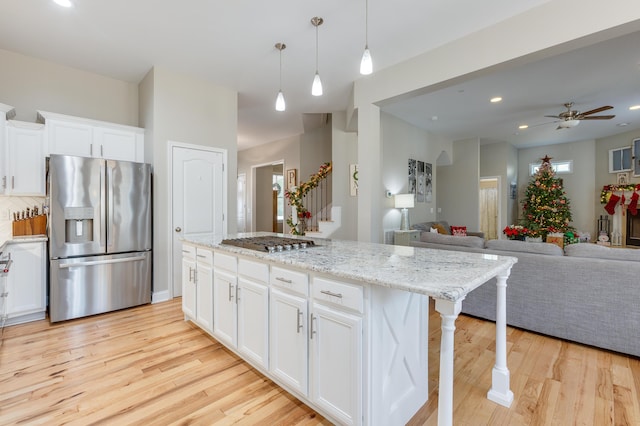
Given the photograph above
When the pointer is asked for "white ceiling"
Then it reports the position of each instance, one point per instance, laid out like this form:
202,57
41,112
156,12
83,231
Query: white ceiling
232,44
607,73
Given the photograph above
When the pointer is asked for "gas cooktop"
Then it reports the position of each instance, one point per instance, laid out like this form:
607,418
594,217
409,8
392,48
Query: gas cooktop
269,244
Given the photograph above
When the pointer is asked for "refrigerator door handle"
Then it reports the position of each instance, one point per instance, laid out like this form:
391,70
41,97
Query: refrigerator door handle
109,204
102,262
103,214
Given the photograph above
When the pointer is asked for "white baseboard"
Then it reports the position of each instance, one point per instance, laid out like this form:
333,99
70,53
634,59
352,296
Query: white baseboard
160,296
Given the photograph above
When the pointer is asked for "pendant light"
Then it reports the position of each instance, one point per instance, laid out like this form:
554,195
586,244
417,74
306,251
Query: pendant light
280,104
316,88
366,64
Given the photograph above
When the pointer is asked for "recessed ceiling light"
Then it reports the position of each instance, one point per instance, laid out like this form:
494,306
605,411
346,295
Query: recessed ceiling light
523,126
496,99
63,3
634,107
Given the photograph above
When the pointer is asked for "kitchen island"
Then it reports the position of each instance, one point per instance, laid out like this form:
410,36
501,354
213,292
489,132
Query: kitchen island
359,314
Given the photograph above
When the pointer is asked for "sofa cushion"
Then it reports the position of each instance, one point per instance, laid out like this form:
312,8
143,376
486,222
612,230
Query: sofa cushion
452,240
459,231
602,252
524,247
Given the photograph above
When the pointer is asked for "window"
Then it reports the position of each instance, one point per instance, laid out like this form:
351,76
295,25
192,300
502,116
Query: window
560,167
620,159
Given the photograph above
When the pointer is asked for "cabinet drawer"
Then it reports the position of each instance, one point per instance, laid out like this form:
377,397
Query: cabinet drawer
256,270
224,261
297,282
188,251
204,255
345,295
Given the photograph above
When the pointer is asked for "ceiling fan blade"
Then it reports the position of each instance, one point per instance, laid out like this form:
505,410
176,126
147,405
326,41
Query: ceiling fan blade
553,116
597,117
593,111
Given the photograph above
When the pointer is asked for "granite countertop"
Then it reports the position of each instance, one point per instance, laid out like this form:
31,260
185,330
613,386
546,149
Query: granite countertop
441,274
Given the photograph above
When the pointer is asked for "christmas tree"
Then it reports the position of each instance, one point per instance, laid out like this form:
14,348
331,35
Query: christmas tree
546,207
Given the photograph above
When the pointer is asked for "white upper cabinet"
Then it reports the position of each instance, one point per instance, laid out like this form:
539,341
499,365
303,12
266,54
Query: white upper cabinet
6,113
69,135
25,159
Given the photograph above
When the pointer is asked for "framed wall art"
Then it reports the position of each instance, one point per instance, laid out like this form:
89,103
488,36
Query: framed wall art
291,178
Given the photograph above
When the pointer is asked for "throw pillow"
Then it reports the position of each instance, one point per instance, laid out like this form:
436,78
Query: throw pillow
433,230
459,231
440,228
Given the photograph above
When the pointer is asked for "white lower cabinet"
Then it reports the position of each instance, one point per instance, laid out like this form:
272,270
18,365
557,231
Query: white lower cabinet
356,352
288,338
197,285
336,362
241,307
26,283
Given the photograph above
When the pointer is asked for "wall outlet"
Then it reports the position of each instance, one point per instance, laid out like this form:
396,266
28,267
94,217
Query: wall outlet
431,210
439,210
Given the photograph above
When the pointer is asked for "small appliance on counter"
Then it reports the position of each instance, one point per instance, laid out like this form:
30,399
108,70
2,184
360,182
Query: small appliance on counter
99,235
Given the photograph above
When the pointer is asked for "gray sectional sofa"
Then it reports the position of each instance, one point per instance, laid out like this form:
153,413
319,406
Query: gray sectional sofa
586,293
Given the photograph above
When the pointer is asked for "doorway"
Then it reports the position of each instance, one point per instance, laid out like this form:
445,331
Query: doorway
489,207
242,202
197,199
268,196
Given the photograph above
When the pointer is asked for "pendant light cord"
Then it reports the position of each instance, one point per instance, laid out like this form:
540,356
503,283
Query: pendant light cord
316,49
366,24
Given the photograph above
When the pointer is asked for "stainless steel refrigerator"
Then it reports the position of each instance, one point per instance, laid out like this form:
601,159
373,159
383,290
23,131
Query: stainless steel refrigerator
99,235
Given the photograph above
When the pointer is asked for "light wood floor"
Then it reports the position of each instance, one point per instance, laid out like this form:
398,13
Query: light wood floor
147,366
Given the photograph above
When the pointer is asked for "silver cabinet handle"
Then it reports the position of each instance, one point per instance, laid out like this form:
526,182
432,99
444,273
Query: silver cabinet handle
230,289
299,320
195,276
201,256
12,182
311,330
4,181
91,149
190,274
237,293
101,151
330,293
284,280
178,229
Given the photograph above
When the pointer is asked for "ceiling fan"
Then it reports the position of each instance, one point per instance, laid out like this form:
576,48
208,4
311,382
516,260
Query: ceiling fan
571,118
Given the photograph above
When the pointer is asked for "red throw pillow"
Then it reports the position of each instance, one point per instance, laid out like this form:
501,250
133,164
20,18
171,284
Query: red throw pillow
459,231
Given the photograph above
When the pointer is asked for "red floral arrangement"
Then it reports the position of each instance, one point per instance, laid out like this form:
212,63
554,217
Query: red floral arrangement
515,231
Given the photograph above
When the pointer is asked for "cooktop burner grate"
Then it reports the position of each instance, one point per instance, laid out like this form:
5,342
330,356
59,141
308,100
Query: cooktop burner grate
269,244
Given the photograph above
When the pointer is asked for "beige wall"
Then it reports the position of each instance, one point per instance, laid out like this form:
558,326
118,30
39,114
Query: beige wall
178,108
31,84
344,150
459,186
500,159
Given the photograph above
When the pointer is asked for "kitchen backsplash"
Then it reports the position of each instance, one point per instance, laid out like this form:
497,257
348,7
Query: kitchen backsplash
8,205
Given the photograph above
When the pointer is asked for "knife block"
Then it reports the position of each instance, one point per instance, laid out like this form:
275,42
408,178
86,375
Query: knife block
36,225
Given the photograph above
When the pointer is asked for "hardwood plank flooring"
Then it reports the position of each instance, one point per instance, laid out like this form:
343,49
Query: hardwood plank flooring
147,366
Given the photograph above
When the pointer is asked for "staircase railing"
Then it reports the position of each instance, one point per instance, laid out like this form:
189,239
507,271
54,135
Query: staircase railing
311,196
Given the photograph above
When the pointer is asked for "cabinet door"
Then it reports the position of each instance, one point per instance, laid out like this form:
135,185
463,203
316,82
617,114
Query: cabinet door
288,341
71,139
26,281
116,144
189,287
224,307
336,363
26,161
204,296
253,321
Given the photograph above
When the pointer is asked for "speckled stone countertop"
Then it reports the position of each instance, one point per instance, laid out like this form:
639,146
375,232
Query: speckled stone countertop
441,274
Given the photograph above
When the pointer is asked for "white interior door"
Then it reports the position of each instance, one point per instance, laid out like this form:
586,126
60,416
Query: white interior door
197,200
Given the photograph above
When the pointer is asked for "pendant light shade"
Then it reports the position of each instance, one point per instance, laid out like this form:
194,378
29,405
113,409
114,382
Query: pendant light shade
366,64
280,104
316,87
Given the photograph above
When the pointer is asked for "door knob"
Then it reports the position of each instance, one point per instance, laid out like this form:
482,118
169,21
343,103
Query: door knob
178,229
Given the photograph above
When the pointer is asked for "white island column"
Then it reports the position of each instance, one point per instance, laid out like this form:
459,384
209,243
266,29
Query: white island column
500,391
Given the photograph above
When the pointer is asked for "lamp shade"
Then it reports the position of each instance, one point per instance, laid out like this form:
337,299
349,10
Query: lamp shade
404,201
